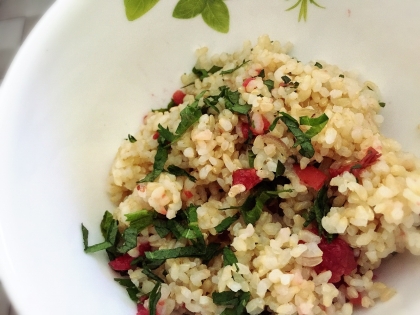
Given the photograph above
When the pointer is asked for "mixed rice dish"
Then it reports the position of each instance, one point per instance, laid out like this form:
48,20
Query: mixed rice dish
264,187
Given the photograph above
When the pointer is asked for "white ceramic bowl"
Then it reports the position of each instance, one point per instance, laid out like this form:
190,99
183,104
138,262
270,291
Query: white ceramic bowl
84,79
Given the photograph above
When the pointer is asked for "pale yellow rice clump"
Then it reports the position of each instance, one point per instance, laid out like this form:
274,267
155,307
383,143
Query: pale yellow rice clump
376,214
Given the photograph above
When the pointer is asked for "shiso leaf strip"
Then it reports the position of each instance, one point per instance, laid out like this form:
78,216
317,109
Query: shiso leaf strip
109,229
131,138
304,139
235,301
154,297
130,240
229,258
316,123
234,69
177,171
151,275
319,210
140,219
202,73
158,166
132,290
226,223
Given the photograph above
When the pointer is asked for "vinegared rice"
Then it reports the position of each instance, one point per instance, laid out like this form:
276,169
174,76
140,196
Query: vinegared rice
372,189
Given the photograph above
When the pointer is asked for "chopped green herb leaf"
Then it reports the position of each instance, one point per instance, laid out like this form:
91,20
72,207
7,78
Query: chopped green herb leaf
319,210
229,257
160,159
269,84
211,250
251,158
286,79
280,169
165,135
177,229
202,73
234,69
382,104
341,76
317,64
193,230
274,123
189,116
225,298
154,297
224,225
236,300
140,219
211,102
109,239
131,138
106,222
261,74
161,227
168,107
292,124
187,251
304,139
177,171
151,275
93,248
132,290
232,101
317,124
130,240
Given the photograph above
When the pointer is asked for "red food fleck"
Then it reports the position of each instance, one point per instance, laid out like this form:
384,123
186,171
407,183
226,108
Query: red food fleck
310,176
337,257
357,301
356,168
144,247
188,194
261,129
155,135
245,130
121,263
246,176
178,97
141,310
246,82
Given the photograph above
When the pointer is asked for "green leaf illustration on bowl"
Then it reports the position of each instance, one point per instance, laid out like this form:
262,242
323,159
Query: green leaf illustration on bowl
303,12
215,13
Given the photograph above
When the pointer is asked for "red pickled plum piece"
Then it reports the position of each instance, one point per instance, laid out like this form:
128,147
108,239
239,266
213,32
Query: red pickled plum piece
144,247
337,257
178,97
121,263
310,176
141,310
246,176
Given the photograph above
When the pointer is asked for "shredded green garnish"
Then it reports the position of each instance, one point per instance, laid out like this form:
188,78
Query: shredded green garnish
234,69
154,297
132,290
177,171
131,138
319,210
158,166
226,223
317,64
304,139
